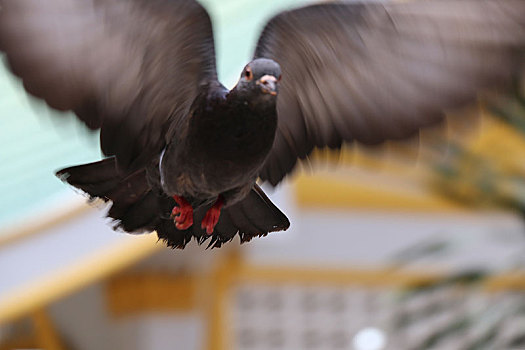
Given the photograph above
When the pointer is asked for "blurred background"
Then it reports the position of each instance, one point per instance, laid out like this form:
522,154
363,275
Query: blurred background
416,245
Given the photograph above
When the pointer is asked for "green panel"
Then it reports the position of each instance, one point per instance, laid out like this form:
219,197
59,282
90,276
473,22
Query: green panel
33,146
35,142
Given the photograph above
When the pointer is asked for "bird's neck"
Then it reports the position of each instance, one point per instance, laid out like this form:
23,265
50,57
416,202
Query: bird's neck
235,128
257,106
253,119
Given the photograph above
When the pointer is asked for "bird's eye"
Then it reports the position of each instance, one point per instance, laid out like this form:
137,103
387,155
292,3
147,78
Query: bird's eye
279,79
248,74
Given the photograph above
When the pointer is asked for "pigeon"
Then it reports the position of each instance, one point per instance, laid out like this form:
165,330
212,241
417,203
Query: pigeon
183,153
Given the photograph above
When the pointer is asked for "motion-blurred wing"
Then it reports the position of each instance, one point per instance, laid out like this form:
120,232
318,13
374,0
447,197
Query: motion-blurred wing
129,67
375,71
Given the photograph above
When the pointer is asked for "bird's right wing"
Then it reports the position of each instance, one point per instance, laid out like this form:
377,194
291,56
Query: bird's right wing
128,67
373,71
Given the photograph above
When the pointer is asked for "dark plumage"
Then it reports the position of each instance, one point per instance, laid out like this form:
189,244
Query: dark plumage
181,145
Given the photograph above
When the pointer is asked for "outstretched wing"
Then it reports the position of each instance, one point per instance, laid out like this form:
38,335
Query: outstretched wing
128,67
375,71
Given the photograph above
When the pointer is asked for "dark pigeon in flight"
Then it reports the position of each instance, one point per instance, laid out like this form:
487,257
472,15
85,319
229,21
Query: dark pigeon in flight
184,152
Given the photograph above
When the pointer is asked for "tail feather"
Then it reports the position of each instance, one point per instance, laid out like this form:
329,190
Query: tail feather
128,192
134,206
137,208
90,173
136,218
96,179
256,216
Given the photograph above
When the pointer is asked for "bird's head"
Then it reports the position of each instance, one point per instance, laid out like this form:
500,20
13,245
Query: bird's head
260,78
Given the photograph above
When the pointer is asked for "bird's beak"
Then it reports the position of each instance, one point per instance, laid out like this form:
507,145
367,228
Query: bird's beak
268,84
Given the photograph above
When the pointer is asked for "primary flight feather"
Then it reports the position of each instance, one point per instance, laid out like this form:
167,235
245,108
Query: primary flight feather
184,152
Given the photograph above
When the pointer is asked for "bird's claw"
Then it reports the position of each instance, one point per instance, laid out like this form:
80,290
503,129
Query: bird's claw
212,216
182,214
210,220
183,217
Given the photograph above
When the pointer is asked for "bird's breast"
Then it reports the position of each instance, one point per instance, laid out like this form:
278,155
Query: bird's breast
237,134
224,148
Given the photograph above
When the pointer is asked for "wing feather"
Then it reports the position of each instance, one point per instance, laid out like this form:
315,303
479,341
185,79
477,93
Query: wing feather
369,72
128,67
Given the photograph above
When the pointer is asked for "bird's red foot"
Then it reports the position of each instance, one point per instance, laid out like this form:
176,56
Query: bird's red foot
183,213
212,216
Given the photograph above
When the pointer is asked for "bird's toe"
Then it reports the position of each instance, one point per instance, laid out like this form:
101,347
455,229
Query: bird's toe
182,213
211,219
184,219
184,225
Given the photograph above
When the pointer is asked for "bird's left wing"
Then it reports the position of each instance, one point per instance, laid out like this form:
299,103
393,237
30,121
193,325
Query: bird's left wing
128,67
374,71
